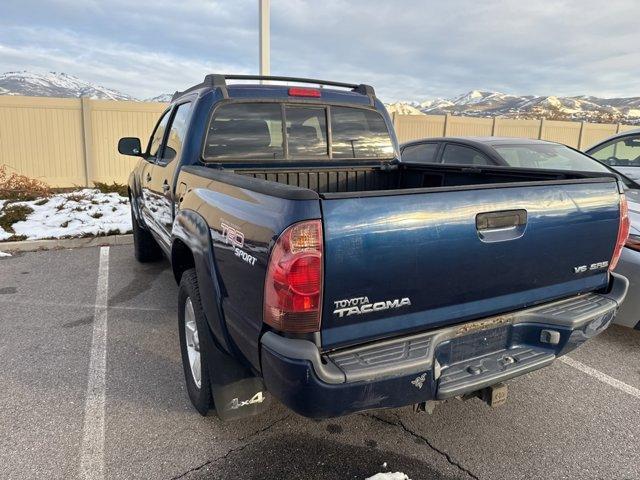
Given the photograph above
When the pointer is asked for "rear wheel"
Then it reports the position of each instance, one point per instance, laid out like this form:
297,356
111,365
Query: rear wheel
191,323
144,246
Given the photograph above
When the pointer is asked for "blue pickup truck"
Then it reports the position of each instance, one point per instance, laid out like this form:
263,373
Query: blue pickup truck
315,265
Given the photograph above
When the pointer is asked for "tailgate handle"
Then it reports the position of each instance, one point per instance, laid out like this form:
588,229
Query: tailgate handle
502,225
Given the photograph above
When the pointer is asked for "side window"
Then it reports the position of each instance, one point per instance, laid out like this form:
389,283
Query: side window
245,130
158,134
421,153
307,131
461,155
176,136
624,152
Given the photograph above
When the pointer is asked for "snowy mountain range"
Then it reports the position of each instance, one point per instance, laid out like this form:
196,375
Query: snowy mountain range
54,84
474,103
491,104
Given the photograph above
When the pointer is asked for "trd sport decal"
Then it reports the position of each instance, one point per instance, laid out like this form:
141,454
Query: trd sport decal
233,236
362,305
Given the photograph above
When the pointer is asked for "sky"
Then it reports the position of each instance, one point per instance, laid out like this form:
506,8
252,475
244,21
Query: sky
409,50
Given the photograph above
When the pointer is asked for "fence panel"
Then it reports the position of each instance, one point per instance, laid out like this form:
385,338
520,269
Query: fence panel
508,127
562,132
469,126
413,127
109,121
43,138
626,128
592,133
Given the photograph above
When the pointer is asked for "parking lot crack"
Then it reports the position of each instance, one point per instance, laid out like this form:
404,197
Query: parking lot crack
265,428
239,448
448,458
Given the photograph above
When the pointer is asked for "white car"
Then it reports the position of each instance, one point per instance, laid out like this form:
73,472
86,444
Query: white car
622,153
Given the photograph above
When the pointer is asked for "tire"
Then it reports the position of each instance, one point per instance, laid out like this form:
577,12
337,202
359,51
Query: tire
145,247
191,321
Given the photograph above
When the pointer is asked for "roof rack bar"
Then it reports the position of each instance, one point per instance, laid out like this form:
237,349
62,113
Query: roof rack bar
220,81
289,79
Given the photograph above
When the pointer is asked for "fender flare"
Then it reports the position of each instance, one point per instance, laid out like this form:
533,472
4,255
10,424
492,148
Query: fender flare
236,391
190,228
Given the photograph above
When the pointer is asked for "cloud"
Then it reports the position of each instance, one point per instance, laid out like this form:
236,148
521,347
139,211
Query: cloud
407,49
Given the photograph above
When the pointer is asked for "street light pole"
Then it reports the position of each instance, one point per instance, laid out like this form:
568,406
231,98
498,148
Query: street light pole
265,66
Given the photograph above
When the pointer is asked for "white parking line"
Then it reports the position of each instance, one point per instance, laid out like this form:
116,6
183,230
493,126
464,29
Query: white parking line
603,377
92,448
37,303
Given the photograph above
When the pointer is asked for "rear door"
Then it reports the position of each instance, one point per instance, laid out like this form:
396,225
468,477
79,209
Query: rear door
161,184
149,200
411,262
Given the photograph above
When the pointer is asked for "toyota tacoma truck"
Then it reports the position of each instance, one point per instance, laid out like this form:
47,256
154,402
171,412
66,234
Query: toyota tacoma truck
316,267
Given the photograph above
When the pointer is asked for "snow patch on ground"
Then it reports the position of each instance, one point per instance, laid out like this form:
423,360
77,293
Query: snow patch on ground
4,254
85,212
389,476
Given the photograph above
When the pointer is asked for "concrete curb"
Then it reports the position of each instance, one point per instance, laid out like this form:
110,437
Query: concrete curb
56,244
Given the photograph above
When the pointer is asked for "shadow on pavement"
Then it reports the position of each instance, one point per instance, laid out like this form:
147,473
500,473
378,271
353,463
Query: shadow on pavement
303,456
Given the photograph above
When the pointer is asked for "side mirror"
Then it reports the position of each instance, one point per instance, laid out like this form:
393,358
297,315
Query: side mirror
130,146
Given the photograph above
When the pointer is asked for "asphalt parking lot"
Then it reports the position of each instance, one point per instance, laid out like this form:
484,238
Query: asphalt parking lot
61,418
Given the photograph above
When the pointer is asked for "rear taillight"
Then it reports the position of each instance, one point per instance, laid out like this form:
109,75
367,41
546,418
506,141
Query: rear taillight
293,287
623,232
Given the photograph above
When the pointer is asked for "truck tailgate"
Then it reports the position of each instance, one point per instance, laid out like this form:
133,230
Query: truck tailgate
414,261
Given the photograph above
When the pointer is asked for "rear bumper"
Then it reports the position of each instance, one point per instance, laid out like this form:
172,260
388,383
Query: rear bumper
438,364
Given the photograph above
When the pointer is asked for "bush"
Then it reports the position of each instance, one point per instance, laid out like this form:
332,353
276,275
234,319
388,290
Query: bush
76,196
11,214
16,187
120,189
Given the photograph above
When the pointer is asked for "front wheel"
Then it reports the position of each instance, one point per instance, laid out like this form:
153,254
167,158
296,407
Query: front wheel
191,323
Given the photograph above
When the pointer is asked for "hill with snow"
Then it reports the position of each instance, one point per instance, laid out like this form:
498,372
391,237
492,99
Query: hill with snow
476,103
163,97
55,84
479,103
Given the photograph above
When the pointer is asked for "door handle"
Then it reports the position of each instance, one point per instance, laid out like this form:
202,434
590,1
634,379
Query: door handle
505,219
165,186
148,177
501,226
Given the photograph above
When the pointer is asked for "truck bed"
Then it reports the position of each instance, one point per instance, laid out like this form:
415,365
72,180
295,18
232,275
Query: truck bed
329,181
453,243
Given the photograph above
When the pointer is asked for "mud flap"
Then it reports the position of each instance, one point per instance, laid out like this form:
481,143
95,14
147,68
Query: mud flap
236,391
243,398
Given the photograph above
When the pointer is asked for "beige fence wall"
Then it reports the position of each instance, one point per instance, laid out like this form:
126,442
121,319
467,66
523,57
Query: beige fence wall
575,134
73,142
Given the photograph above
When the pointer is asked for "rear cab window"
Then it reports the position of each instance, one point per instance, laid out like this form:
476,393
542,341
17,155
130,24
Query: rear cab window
359,133
277,131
